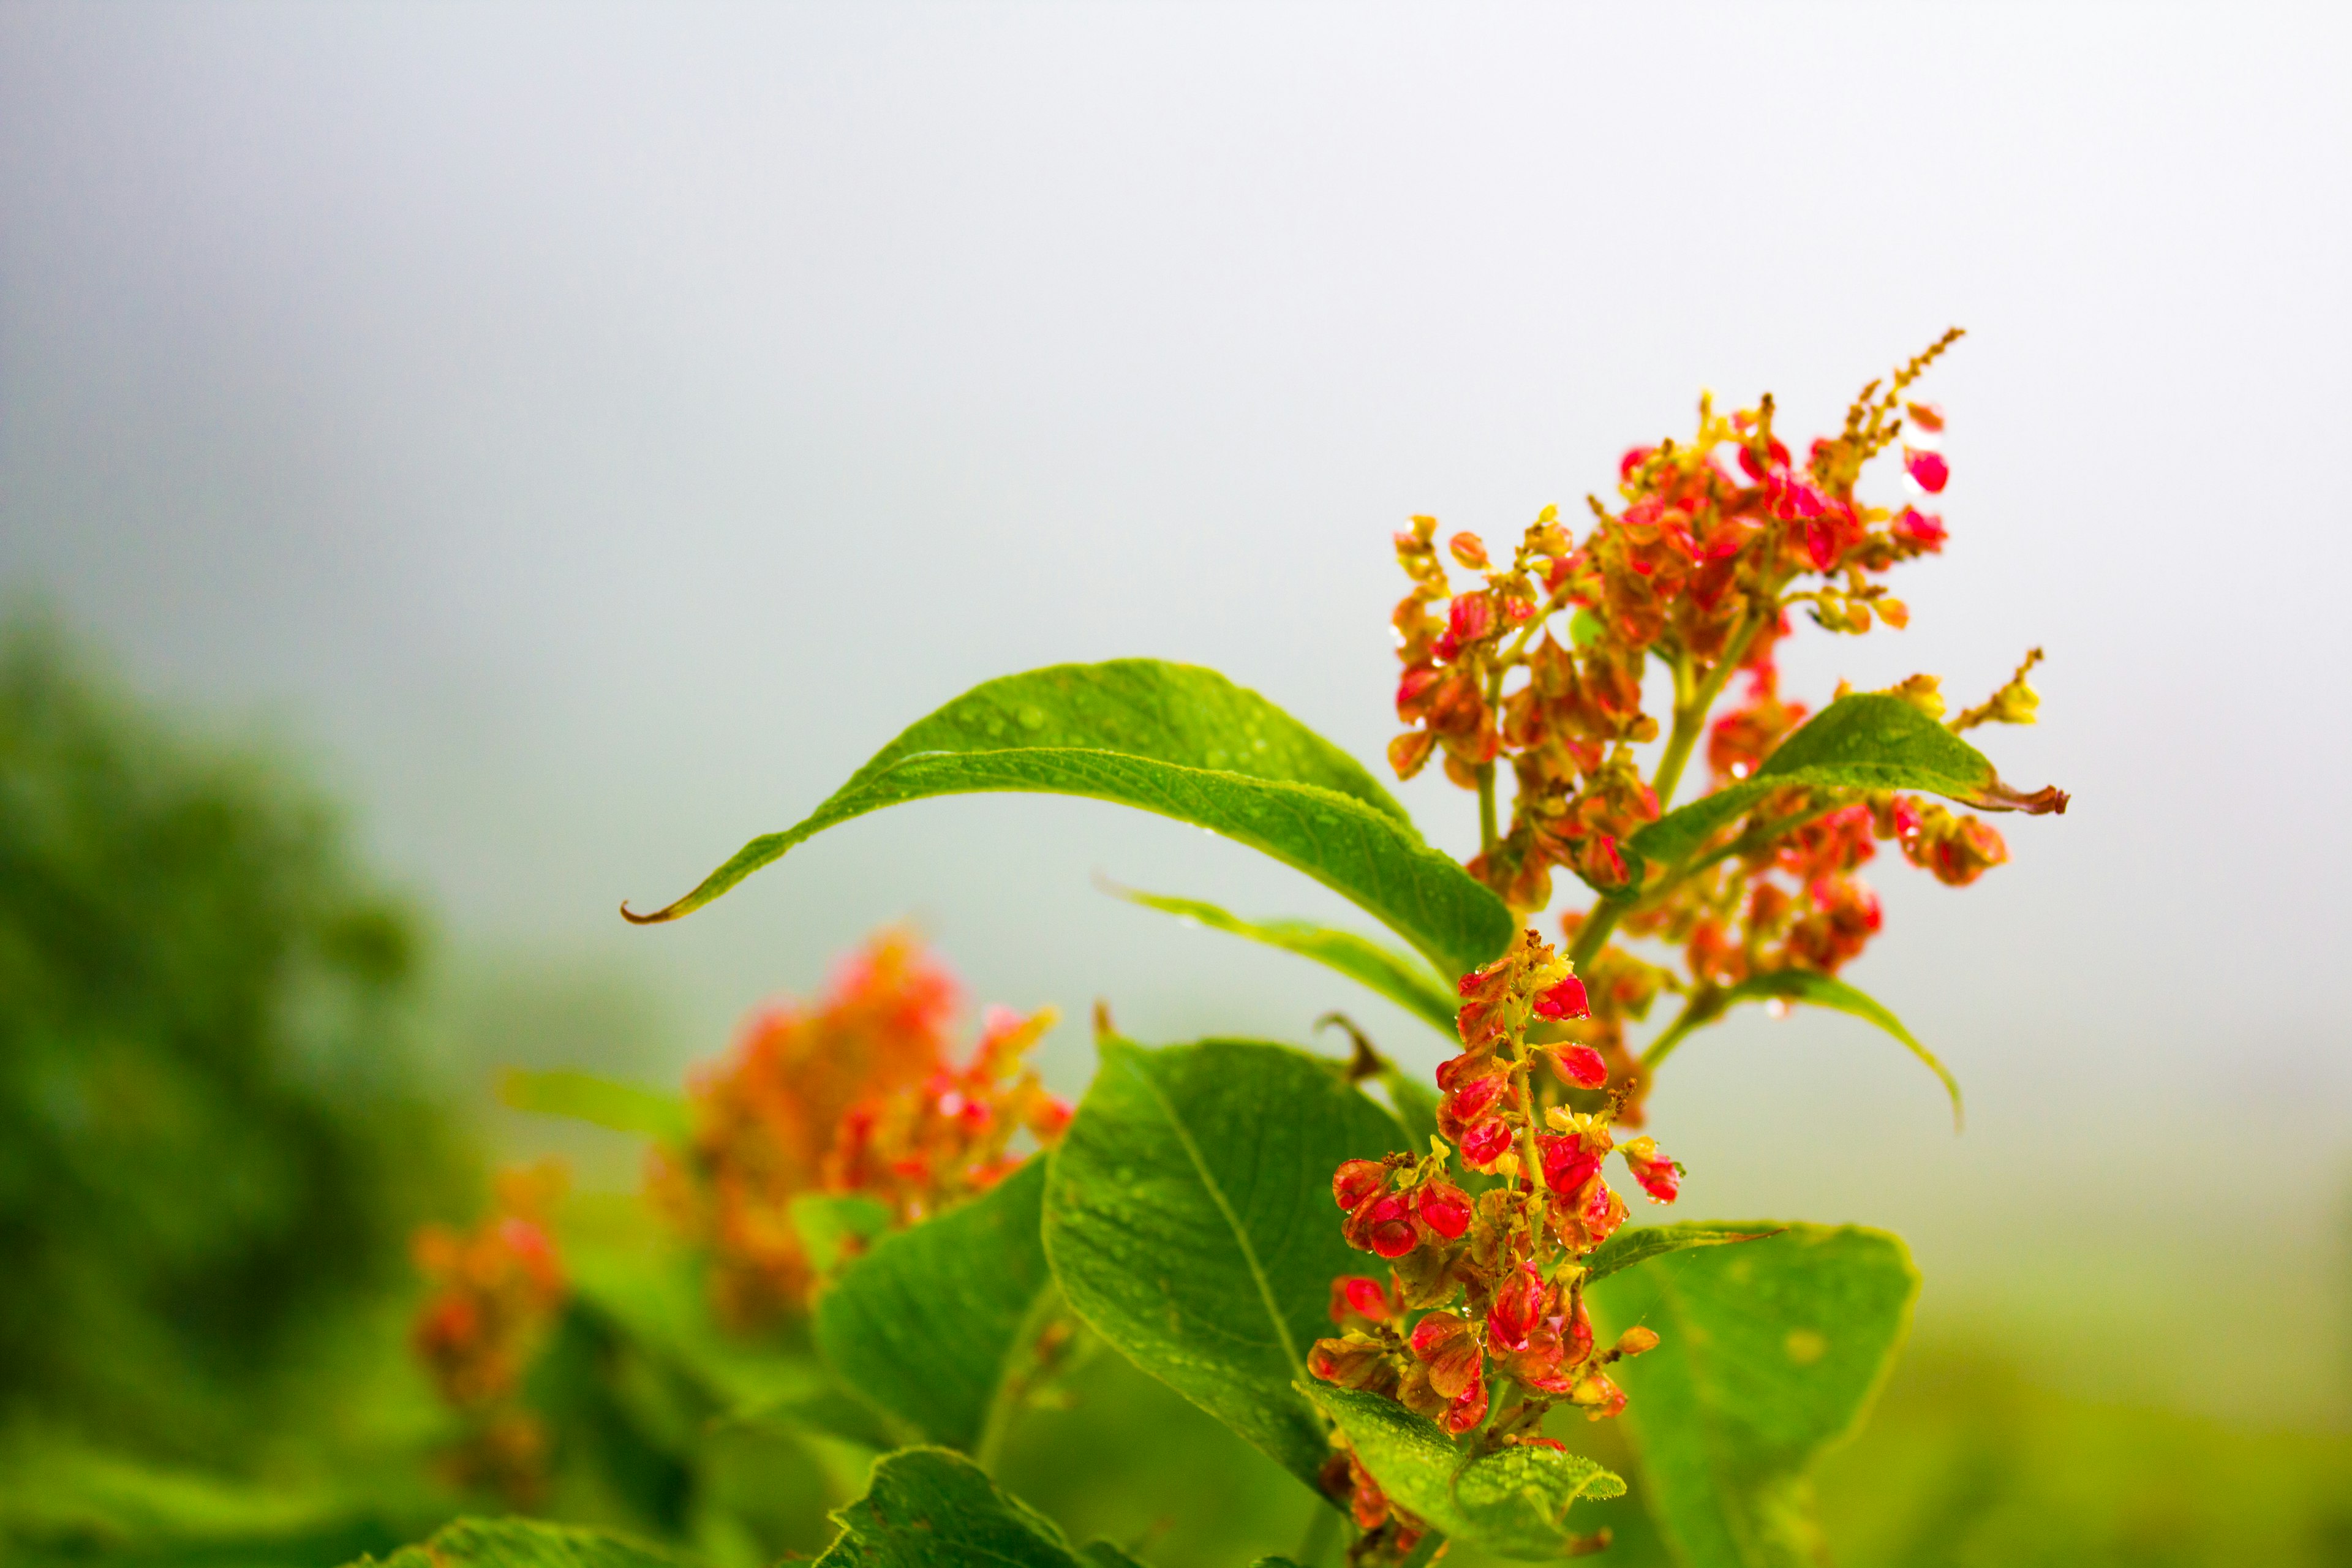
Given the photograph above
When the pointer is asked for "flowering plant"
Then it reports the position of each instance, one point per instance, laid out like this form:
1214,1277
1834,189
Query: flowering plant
1412,1357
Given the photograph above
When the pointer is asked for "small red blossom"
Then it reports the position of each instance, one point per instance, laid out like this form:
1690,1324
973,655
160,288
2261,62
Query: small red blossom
1483,1144
1565,1000
1358,1180
1444,1208
1922,530
1659,1176
1568,1164
1581,1066
1388,1227
1517,1310
1355,1297
1468,1409
1928,468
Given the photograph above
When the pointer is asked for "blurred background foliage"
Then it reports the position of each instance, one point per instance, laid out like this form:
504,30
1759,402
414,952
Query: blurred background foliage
236,1071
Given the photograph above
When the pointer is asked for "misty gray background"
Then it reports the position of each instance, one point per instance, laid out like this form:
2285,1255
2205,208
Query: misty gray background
584,433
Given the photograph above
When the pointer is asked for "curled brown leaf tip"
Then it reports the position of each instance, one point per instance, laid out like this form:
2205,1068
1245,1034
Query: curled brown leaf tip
2047,801
666,912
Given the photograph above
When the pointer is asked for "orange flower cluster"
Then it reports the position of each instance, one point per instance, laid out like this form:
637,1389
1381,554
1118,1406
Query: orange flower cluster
495,1294
1482,1312
856,1094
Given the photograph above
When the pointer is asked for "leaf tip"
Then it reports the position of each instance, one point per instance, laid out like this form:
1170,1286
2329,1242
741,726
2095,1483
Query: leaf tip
661,916
2047,801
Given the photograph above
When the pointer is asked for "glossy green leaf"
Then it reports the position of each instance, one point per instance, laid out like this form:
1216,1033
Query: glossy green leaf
927,1507
1516,1501
1640,1243
584,1096
1190,1222
1768,1353
932,1322
1869,741
1184,742
1402,978
526,1543
1814,991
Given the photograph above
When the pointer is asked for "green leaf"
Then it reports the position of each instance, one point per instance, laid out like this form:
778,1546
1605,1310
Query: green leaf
584,1096
1814,990
932,1322
1869,741
1768,1353
828,1223
1190,1222
927,1507
1184,742
525,1543
1640,1243
1401,977
1515,1501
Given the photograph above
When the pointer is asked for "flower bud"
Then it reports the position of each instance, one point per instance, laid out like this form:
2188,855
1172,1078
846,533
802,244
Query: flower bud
1467,549
1568,1164
1565,1000
1356,1180
1388,1227
1636,1340
1409,753
1444,1208
1922,532
1473,1099
1484,1143
1576,1344
1660,1177
1927,469
1353,1296
1599,1397
1925,416
1517,1309
1350,1363
1581,1066
1445,1344
1455,1071
1468,1409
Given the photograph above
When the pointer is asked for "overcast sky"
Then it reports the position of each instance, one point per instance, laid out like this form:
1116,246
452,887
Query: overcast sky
590,432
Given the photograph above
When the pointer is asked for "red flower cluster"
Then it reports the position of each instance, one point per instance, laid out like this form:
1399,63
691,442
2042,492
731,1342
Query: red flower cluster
1698,566
494,1294
1485,1295
856,1094
1711,545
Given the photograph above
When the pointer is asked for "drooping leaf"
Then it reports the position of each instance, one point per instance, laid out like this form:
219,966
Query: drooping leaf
1640,1243
1868,741
584,1096
930,1323
831,1224
527,1544
1188,1220
1184,742
1515,1501
1814,990
927,1507
1768,1353
1401,977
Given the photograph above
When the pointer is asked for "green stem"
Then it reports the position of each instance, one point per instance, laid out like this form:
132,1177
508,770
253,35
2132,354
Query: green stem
1690,717
1704,1008
1487,836
1597,923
